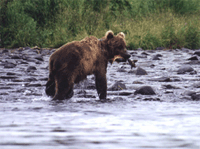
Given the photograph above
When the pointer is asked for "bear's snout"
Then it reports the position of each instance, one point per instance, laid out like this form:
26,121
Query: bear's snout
125,55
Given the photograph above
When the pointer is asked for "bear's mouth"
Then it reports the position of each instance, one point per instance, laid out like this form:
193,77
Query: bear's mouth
116,57
119,58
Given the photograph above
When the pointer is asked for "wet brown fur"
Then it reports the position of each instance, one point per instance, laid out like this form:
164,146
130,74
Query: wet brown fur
72,62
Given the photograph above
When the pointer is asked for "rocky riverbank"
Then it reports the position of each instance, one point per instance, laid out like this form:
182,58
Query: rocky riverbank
161,75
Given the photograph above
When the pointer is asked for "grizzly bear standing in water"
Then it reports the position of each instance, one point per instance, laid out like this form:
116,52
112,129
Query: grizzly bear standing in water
72,62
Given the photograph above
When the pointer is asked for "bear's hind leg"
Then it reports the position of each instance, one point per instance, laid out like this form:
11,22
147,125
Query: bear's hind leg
50,88
64,88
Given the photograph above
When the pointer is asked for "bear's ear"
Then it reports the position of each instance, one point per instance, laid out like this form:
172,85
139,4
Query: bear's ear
109,34
121,34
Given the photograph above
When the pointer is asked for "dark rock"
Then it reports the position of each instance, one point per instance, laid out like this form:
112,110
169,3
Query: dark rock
81,92
159,55
137,82
151,99
31,69
5,51
121,70
184,69
33,85
125,93
168,86
185,49
193,58
195,97
8,77
86,84
194,62
152,65
144,53
9,65
23,62
30,52
145,90
43,79
11,61
16,57
162,79
134,52
10,73
45,52
197,85
39,57
30,79
189,93
91,86
156,57
131,71
140,71
197,53
117,86
142,56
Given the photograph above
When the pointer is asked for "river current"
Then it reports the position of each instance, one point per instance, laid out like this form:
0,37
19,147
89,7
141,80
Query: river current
168,119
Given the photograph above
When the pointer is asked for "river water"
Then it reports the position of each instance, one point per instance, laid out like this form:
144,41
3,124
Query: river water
169,119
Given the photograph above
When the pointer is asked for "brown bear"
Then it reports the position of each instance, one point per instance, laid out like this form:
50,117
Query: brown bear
72,62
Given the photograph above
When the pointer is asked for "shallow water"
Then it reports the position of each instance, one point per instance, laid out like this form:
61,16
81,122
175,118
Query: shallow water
169,119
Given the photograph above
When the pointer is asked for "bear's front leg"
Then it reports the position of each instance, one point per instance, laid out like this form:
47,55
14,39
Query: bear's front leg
101,85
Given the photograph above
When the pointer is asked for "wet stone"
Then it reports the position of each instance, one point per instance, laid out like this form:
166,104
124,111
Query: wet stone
151,99
31,69
193,58
39,57
168,86
185,49
144,53
7,77
121,70
33,85
161,79
140,71
117,86
5,51
195,97
9,65
30,79
16,57
137,82
156,57
132,71
10,74
184,69
145,90
23,62
189,93
125,93
45,52
197,53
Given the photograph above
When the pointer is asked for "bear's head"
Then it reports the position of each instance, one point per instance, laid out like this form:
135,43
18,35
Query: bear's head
116,45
